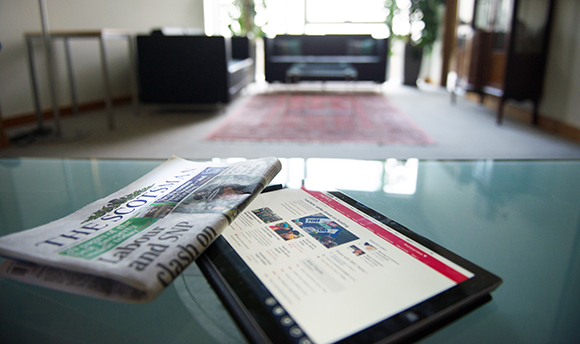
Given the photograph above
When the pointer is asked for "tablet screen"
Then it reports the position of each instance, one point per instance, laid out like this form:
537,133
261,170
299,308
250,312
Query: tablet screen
328,268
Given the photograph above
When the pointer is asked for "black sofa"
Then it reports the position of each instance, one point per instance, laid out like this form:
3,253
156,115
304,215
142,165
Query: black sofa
365,53
192,69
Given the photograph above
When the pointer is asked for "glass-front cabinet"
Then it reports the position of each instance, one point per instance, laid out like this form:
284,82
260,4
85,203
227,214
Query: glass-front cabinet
502,49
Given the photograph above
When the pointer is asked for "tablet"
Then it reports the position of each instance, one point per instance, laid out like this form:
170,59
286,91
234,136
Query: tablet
302,266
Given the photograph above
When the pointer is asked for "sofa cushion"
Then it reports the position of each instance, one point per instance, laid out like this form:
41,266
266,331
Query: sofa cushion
288,47
325,59
360,47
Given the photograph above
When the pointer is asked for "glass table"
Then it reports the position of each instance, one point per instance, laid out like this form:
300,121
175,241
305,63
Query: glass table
317,71
517,219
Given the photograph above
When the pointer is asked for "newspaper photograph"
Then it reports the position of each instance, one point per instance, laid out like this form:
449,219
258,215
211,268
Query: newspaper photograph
132,244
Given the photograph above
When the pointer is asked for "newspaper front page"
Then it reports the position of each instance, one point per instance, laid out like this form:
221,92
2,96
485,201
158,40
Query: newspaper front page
132,244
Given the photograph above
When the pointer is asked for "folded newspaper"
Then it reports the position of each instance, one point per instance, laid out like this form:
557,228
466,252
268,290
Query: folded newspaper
132,244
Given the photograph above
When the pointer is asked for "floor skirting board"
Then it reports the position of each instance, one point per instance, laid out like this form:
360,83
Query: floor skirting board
66,110
525,115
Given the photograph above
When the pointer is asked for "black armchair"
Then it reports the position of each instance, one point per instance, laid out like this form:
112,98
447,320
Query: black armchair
186,69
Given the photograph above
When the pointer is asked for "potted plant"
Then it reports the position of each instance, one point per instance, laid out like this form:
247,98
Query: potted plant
243,14
416,22
248,18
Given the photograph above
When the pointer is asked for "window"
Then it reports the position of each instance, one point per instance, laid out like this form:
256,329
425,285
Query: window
345,11
346,16
305,16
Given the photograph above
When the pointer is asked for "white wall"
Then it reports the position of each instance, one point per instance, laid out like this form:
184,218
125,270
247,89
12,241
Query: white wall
561,99
137,16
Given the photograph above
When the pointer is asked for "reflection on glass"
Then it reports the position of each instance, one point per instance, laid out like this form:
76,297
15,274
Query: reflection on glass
483,171
391,176
530,27
401,176
482,18
292,173
503,16
345,174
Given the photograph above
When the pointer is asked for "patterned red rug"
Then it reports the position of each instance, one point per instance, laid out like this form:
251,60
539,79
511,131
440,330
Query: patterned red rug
320,117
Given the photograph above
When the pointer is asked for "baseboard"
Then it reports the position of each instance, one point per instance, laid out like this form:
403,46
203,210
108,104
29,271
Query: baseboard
546,123
67,110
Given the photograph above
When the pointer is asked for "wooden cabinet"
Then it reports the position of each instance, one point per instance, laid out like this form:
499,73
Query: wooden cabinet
3,138
4,142
502,49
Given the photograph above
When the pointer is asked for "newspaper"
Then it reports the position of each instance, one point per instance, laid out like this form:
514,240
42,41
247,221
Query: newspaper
132,244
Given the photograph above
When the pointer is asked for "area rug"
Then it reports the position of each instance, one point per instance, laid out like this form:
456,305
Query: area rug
320,117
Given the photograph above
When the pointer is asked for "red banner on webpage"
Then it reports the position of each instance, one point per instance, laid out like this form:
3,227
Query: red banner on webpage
391,238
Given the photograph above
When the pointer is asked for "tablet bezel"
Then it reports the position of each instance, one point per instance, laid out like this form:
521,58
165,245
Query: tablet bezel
244,295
